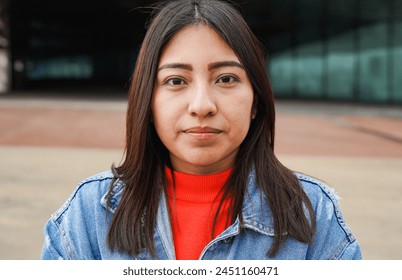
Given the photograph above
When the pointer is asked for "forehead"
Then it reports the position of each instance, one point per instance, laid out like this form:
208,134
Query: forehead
196,42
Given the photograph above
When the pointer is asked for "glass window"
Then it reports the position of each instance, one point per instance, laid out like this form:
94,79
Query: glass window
397,63
341,65
280,70
309,70
60,68
373,71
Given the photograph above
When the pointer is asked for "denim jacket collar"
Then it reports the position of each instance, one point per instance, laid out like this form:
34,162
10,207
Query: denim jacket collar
115,196
256,211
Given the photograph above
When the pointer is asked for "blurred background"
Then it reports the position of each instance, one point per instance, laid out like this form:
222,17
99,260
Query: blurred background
336,70
347,50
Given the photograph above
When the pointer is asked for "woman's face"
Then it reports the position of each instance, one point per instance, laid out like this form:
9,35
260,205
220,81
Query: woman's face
202,101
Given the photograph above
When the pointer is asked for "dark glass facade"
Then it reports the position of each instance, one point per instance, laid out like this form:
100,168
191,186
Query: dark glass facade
4,47
340,50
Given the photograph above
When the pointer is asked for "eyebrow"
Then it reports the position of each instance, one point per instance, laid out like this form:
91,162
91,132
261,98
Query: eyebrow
176,66
211,66
219,64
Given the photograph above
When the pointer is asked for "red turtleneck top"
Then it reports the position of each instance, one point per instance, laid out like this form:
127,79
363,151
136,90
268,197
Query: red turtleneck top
193,203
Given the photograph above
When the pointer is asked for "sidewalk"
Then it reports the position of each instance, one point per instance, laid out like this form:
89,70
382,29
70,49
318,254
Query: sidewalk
49,144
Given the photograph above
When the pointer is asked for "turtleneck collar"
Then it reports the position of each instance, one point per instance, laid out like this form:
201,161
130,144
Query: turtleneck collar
196,188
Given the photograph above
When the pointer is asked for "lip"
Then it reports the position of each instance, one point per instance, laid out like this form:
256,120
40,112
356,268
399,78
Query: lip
202,130
202,133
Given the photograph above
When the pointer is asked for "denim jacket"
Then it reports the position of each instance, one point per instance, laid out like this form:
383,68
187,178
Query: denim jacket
78,230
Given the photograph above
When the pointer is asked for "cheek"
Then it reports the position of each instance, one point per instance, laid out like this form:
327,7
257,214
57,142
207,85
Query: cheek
240,108
241,114
158,108
164,106
165,119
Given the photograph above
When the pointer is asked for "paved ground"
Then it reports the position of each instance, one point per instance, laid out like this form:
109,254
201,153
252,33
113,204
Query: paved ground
48,143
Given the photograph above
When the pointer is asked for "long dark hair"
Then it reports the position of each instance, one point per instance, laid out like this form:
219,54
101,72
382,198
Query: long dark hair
142,171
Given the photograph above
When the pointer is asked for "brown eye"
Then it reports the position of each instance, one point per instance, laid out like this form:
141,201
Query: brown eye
227,79
175,82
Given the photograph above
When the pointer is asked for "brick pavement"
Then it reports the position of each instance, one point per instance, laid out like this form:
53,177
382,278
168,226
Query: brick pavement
48,145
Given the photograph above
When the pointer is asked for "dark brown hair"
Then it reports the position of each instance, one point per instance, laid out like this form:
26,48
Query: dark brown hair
142,171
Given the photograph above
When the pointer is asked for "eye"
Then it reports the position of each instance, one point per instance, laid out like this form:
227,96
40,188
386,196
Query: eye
175,82
227,79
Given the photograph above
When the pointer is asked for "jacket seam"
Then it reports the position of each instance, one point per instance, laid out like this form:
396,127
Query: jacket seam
340,250
64,240
332,196
59,213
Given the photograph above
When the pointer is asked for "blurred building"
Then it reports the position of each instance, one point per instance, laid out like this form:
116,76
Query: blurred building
340,50
5,73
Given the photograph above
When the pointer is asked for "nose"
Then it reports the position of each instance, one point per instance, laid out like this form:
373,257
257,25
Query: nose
202,103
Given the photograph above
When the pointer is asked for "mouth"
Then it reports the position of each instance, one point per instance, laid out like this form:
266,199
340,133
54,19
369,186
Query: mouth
202,133
202,130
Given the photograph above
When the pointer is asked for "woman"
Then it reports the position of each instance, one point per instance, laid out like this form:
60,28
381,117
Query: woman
200,179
